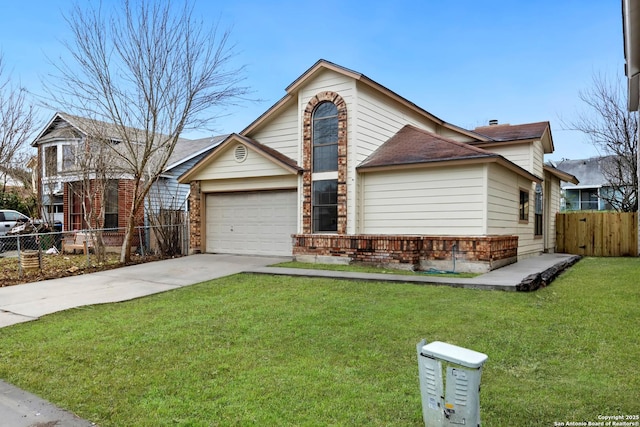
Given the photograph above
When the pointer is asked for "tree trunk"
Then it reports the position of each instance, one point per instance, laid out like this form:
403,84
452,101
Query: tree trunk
125,253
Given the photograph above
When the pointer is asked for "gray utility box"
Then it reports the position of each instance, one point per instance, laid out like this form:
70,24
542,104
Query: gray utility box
456,401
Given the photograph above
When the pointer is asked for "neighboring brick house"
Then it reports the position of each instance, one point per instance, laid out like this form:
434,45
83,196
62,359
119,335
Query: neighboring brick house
63,181
343,169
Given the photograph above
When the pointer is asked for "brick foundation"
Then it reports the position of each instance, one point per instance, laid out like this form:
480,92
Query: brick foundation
472,253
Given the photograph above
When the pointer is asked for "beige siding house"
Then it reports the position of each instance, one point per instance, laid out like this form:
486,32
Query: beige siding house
343,169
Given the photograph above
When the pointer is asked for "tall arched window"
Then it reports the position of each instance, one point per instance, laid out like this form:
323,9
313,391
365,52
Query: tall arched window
324,159
325,138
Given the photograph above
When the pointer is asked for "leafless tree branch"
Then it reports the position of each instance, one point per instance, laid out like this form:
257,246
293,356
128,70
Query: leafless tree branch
613,130
154,71
17,123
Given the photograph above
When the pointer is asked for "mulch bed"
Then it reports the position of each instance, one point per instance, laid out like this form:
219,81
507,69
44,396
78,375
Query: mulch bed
59,265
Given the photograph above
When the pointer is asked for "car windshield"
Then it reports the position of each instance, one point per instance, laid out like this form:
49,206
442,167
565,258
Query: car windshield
14,216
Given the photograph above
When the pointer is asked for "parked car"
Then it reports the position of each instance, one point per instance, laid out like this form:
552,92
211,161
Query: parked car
9,219
26,229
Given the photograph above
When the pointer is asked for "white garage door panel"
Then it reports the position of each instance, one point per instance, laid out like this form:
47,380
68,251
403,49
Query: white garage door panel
259,223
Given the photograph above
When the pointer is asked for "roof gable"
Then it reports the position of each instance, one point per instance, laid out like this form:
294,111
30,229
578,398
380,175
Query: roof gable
322,65
59,127
285,164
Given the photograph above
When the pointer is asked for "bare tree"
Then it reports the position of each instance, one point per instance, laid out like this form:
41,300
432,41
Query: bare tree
93,171
17,124
153,71
167,215
613,130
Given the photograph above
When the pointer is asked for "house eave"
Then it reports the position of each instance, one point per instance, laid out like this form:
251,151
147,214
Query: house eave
563,176
631,44
548,147
264,117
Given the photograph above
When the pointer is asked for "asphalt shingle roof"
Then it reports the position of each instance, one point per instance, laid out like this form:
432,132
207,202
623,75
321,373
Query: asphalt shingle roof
588,171
412,145
508,132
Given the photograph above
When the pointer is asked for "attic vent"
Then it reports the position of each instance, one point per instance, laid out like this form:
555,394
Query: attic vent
240,153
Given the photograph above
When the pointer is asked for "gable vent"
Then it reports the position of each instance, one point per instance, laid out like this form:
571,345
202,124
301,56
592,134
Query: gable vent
240,153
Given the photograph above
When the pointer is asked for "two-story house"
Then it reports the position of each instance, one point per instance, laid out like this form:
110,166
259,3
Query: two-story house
67,176
344,169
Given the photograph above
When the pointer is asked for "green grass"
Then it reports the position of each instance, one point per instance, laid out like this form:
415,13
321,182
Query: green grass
362,268
255,350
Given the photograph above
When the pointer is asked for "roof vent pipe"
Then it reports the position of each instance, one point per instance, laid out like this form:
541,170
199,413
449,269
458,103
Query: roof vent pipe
493,122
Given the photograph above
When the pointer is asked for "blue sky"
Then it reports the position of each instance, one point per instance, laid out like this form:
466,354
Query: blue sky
466,62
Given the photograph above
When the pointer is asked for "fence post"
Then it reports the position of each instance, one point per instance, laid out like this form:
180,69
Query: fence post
19,263
140,242
86,249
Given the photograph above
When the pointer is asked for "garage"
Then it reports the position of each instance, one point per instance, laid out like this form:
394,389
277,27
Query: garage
251,223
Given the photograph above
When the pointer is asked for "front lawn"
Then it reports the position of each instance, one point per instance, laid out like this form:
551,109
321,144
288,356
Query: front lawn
256,350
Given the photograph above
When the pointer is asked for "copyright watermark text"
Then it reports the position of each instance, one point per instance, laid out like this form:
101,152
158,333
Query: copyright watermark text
604,421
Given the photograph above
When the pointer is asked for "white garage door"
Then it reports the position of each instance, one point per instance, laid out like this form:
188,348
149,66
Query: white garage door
255,223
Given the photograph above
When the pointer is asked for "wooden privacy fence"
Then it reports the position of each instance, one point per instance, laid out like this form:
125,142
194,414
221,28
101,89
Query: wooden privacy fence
604,234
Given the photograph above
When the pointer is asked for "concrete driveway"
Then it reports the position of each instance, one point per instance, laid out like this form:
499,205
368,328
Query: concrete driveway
23,303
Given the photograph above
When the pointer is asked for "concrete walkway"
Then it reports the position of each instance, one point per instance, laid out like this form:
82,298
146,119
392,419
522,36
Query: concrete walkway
23,303
526,275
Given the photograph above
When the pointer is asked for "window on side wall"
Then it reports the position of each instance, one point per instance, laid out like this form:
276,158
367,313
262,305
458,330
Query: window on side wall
111,204
325,206
68,157
77,211
572,200
538,211
51,161
523,215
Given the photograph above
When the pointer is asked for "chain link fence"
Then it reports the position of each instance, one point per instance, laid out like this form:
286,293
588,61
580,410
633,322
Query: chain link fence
30,243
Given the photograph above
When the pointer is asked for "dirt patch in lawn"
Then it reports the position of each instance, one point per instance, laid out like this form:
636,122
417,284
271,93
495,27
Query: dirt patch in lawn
59,265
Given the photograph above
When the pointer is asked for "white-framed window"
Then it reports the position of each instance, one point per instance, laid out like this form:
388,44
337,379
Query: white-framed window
325,206
538,211
324,142
325,138
523,210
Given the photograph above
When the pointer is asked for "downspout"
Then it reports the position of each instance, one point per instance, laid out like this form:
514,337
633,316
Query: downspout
453,255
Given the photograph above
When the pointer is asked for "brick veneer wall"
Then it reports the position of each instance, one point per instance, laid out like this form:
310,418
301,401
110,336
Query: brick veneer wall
488,252
112,239
307,160
195,218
